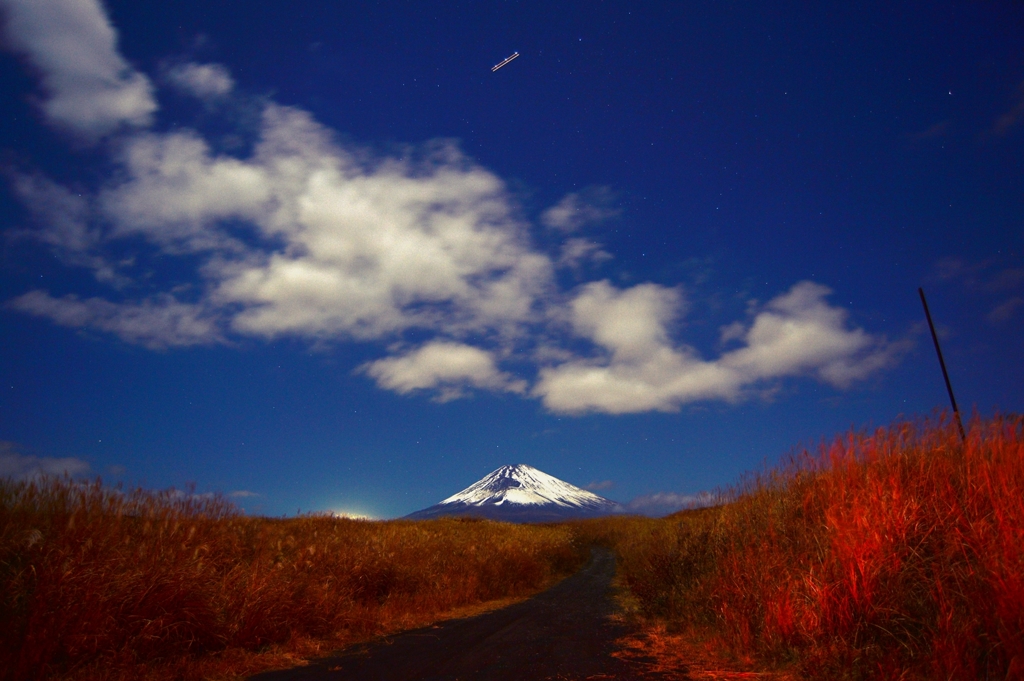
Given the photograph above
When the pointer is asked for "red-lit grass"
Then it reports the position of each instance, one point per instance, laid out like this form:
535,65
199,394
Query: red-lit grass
106,585
897,554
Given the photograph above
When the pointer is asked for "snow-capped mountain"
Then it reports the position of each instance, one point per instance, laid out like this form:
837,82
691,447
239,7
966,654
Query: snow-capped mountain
523,494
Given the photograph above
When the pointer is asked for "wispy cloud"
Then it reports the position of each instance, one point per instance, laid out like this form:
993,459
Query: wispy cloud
1006,310
64,221
422,252
1009,120
18,466
986,276
90,89
940,129
577,252
157,323
663,503
994,280
599,485
579,209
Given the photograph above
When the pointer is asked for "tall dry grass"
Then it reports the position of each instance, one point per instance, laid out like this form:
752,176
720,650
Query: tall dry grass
96,583
895,554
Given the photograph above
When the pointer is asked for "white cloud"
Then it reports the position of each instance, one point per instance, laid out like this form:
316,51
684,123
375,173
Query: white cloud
308,237
343,244
731,332
19,466
90,88
346,244
640,370
449,367
800,333
243,494
174,193
205,81
156,323
797,333
630,323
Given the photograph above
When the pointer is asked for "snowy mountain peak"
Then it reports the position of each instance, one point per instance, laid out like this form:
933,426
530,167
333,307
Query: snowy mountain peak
521,493
524,485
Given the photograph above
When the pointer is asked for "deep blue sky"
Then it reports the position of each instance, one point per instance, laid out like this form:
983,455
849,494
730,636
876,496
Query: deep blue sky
319,256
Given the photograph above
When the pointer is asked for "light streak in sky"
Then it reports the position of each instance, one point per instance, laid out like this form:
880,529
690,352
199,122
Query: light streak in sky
505,61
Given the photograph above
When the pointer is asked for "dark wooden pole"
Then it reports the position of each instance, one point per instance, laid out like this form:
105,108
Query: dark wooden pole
942,363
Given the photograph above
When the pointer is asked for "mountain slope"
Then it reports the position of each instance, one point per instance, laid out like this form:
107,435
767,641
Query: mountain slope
524,494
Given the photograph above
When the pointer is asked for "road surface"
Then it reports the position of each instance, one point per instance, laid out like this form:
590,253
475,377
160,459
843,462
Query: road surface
565,633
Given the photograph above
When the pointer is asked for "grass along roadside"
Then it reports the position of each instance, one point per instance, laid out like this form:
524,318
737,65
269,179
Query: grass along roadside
893,554
97,583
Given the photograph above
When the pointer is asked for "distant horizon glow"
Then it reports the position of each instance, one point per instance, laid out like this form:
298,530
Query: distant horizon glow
353,515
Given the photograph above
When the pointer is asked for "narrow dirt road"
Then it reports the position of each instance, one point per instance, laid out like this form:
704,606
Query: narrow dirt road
565,633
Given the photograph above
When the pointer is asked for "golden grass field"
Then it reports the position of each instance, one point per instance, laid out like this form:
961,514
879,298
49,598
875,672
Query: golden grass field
103,585
892,554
